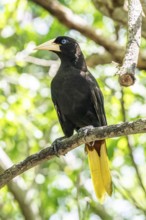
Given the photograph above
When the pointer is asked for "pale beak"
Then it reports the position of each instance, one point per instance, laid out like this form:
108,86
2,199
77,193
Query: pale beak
49,45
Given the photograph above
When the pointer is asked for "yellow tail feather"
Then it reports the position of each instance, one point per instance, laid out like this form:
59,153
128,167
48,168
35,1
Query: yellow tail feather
99,168
104,163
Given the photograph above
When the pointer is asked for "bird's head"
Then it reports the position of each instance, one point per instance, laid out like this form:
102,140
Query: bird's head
67,49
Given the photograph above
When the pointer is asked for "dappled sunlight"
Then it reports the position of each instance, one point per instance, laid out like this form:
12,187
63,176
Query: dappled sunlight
61,188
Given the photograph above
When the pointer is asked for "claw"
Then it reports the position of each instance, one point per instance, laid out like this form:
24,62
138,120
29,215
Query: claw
55,145
85,130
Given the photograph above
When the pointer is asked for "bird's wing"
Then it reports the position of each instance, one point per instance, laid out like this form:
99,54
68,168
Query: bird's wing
66,125
97,99
98,105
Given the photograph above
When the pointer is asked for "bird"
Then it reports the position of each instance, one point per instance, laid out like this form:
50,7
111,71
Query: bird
79,103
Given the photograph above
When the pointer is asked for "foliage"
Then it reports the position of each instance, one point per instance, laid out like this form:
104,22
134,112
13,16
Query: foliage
62,188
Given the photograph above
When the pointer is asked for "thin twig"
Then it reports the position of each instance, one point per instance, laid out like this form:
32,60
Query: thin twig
77,196
130,146
68,144
127,70
129,141
143,3
40,62
128,196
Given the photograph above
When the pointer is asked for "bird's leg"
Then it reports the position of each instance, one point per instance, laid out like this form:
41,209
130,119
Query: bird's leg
86,130
56,143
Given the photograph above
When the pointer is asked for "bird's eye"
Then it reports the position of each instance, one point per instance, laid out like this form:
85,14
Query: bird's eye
64,41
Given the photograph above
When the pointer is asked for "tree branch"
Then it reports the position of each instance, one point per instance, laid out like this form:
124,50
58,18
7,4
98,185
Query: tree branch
113,50
68,144
73,21
143,3
96,59
117,10
18,189
127,70
99,59
40,62
93,60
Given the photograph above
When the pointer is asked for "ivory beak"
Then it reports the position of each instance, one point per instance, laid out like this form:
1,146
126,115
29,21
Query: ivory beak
49,45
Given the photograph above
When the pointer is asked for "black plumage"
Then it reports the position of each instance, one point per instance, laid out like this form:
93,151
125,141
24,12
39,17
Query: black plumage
79,103
75,92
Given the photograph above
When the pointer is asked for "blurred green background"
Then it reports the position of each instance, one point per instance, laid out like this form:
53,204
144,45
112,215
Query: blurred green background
61,189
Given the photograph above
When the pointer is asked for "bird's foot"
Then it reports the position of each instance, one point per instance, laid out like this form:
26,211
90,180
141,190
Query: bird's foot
86,130
55,145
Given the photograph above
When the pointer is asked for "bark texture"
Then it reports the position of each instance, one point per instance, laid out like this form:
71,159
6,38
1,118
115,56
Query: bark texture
68,144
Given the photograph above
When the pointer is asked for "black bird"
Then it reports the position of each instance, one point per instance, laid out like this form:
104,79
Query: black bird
79,103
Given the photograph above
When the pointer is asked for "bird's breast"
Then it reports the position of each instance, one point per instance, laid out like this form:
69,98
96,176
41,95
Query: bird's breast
71,93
